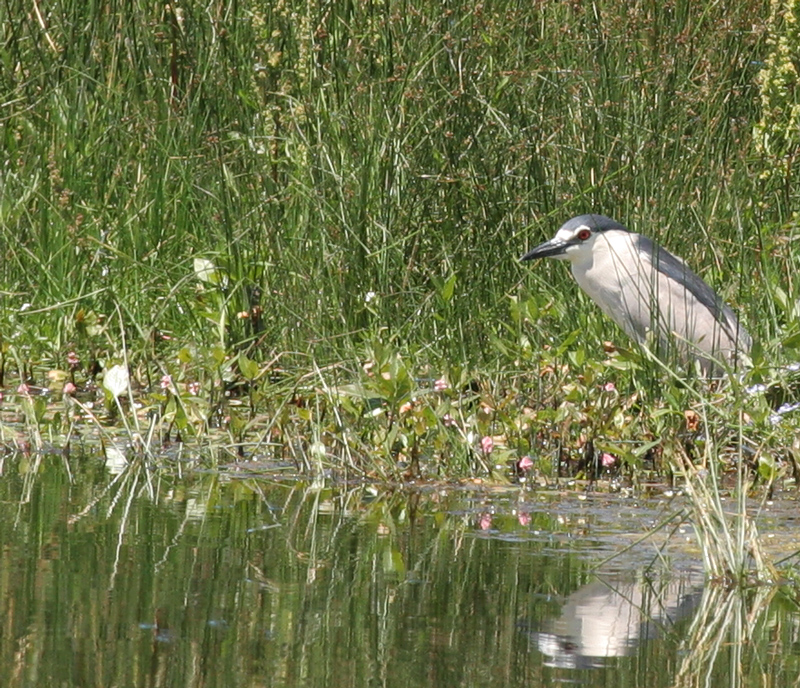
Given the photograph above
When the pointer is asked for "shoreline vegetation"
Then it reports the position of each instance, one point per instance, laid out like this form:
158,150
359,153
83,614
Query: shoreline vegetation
290,233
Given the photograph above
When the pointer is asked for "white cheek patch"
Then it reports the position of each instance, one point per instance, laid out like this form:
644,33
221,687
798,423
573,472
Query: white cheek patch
566,235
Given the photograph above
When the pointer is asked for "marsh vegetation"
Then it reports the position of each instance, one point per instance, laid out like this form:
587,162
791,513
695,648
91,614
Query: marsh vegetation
291,230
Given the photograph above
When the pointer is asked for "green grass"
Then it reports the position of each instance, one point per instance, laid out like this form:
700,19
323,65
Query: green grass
321,153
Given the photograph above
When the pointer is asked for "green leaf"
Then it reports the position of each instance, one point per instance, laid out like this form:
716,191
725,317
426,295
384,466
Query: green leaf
767,469
449,287
792,341
646,447
248,367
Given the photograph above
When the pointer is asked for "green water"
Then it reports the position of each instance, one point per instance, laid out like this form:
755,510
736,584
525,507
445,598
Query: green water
143,579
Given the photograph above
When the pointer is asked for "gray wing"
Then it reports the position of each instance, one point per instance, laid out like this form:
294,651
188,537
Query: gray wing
676,270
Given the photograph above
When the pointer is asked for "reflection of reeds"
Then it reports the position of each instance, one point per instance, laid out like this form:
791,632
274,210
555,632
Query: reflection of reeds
732,551
726,617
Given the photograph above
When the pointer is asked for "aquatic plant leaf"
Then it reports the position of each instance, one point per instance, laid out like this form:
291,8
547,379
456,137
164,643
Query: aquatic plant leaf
116,380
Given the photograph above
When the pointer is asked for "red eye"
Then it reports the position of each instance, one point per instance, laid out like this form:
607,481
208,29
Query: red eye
584,234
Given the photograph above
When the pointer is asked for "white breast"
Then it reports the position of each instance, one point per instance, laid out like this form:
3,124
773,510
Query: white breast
621,280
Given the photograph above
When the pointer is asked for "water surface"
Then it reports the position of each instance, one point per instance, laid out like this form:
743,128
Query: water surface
141,578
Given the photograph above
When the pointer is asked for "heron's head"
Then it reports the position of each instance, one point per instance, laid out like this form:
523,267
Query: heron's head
576,238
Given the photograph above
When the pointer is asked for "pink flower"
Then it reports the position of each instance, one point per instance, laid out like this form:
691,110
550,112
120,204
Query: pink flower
448,420
166,381
607,460
72,360
193,388
525,463
24,389
440,385
609,387
524,518
70,389
487,444
485,521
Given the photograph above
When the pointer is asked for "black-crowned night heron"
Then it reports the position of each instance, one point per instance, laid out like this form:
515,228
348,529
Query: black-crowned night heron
648,292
